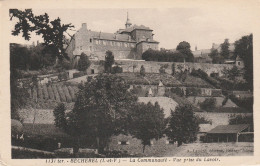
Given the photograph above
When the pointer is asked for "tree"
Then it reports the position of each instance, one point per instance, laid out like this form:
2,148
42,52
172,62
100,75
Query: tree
244,49
183,125
142,71
216,58
173,69
208,104
184,49
84,62
225,49
101,110
147,122
233,73
109,61
52,31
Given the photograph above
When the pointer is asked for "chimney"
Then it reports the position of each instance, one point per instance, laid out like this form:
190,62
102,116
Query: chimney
84,25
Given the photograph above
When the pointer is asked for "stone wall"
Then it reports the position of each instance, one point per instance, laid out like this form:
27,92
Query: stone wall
153,67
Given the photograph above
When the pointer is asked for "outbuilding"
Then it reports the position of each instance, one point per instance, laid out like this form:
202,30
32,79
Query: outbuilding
230,133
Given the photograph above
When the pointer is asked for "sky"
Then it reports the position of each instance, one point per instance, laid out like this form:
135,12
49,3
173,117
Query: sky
199,26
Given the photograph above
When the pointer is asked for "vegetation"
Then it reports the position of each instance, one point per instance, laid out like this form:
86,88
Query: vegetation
239,119
162,56
147,123
184,49
225,49
244,49
208,104
84,62
52,32
183,125
100,111
109,61
142,71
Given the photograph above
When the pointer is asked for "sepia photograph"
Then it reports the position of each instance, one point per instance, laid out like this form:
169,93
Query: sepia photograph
131,83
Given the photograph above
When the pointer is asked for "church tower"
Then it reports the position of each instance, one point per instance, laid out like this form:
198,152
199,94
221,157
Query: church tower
128,23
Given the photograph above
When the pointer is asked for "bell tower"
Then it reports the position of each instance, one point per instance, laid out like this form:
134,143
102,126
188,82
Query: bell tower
128,22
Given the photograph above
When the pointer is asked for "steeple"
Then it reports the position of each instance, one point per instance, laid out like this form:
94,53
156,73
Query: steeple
128,22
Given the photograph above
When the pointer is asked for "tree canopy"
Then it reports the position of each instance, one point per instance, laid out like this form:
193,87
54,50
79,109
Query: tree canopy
84,62
147,122
109,61
101,110
225,49
244,50
184,48
53,32
183,125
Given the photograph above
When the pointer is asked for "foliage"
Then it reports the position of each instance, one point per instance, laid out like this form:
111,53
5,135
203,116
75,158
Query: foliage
142,71
216,57
117,69
173,69
184,49
208,104
101,110
162,70
232,73
225,49
183,125
244,102
191,91
203,75
203,120
84,62
52,32
147,122
162,56
109,61
178,91
239,119
244,49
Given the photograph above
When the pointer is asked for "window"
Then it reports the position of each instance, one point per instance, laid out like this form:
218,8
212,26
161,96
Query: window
90,40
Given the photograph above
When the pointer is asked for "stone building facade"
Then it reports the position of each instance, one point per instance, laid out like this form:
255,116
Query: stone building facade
128,43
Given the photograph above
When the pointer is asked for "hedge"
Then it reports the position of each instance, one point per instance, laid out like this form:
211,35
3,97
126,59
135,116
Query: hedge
61,93
56,93
67,94
45,92
40,93
50,91
72,93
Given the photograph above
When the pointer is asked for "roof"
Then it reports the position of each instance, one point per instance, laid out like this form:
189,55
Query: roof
228,129
166,103
150,41
111,36
134,27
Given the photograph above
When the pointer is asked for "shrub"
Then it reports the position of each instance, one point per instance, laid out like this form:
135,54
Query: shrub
117,69
193,91
178,91
142,71
208,104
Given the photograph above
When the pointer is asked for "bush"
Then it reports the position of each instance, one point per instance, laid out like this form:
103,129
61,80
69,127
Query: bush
216,92
208,104
117,69
193,91
142,71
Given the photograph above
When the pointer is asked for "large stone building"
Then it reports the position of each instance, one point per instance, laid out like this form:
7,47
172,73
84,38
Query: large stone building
128,43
